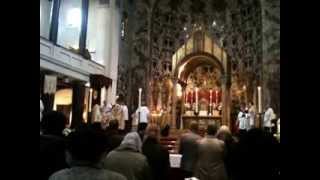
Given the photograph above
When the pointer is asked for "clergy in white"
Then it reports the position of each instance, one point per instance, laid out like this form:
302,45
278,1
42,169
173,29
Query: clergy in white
144,114
268,116
252,114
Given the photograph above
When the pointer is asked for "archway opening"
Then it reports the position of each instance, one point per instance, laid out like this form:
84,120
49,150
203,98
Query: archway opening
200,77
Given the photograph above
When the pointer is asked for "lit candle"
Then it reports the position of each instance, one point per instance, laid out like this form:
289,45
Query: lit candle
140,91
90,99
216,96
210,96
186,97
259,100
191,98
197,100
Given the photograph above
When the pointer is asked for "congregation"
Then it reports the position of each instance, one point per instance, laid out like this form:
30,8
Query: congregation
95,151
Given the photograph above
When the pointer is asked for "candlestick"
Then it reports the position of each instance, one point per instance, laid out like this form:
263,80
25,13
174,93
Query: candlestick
90,99
191,99
216,96
210,96
140,91
186,97
259,100
197,100
139,106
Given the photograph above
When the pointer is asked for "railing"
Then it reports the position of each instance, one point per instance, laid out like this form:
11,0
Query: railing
64,58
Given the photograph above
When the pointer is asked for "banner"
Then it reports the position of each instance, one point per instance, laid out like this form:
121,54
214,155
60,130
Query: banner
50,84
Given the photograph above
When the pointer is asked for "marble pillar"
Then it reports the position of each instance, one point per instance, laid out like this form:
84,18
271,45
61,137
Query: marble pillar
226,101
174,105
78,96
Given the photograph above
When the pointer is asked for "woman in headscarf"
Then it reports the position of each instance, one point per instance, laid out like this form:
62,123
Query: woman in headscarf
128,160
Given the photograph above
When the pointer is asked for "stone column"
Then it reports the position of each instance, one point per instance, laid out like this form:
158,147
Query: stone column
78,93
226,100
182,106
174,104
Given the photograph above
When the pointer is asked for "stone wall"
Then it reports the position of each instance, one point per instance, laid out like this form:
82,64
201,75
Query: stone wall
271,53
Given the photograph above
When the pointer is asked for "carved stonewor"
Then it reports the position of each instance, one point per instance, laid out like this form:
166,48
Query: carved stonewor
157,29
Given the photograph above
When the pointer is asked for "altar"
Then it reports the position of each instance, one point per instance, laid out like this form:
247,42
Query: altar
203,121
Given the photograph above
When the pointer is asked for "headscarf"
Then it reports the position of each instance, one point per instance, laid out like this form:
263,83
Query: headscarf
131,141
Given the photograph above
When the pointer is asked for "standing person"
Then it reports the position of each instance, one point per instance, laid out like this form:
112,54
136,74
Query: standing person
242,120
106,108
106,112
125,115
224,134
268,116
210,164
143,119
117,113
158,156
189,149
115,138
278,126
52,144
96,113
128,160
41,109
85,150
252,115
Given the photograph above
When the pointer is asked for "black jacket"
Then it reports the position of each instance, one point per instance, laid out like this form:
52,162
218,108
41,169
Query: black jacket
158,158
52,155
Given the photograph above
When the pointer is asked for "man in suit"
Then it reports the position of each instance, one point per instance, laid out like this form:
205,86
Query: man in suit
189,149
210,165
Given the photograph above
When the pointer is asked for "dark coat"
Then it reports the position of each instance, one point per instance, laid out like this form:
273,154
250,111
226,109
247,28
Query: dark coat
52,155
85,173
114,139
210,164
158,158
189,150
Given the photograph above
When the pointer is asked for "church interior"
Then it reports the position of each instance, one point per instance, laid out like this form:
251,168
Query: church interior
228,50
213,64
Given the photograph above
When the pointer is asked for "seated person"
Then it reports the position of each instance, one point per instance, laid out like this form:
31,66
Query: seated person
85,150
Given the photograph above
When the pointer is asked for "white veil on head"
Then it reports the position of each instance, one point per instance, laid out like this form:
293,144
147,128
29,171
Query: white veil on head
131,141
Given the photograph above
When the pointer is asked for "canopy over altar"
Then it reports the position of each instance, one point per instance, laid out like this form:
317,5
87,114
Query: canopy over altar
201,81
197,86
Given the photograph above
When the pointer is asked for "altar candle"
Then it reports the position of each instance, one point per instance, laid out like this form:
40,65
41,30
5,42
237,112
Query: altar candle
259,100
191,98
140,91
216,96
210,97
186,97
90,99
197,100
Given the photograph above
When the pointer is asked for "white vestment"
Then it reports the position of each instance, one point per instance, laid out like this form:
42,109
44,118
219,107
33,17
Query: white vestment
41,109
243,120
144,114
268,116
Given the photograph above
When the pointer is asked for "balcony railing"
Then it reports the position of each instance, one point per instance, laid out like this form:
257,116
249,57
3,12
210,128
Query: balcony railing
62,57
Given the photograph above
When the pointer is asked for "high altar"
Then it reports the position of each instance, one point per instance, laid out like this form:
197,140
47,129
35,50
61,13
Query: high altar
198,88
